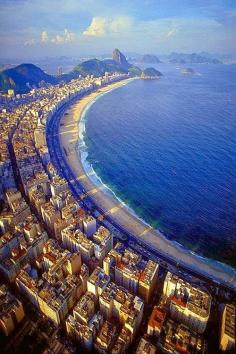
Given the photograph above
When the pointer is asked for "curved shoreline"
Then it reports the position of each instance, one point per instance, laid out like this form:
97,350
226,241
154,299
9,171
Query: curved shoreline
97,180
70,136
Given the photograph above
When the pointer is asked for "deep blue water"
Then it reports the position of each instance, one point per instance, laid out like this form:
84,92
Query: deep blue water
168,149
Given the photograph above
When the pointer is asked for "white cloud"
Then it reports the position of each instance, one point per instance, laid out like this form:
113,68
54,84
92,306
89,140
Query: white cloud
57,39
44,37
102,26
69,36
120,24
97,28
66,37
29,42
172,33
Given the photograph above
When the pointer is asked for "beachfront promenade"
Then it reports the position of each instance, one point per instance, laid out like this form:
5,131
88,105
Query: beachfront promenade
65,139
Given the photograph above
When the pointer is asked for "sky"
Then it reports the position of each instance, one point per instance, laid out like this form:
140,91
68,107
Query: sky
80,28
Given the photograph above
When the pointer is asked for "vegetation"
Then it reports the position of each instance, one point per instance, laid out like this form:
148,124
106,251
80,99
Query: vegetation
24,77
151,72
98,67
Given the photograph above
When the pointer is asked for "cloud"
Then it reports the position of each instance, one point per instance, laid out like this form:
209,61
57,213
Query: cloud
66,37
44,37
102,26
119,24
97,28
172,33
29,42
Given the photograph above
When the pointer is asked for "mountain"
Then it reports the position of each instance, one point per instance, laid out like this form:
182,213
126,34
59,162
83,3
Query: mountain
149,58
91,67
97,67
151,73
24,77
119,58
194,58
206,55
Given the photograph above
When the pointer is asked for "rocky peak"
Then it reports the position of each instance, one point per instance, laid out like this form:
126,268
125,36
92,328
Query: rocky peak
119,57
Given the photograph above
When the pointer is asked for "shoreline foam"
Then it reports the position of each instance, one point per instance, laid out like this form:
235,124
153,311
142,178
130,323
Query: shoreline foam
77,114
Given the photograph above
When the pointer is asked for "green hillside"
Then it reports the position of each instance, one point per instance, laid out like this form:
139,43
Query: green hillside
24,77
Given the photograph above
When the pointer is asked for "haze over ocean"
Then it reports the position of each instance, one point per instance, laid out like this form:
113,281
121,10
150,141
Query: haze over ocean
167,148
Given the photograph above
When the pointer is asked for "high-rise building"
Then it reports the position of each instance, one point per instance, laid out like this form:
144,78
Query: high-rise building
117,303
103,243
89,224
228,328
74,240
145,347
40,138
97,282
188,304
58,185
148,280
85,308
106,338
129,270
11,311
156,321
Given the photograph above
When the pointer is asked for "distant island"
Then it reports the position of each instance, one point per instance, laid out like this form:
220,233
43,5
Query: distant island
151,73
149,58
194,58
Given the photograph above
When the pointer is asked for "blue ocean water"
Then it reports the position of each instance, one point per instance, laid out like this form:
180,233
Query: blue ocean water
167,148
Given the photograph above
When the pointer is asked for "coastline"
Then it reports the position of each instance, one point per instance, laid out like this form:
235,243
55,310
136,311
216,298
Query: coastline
71,137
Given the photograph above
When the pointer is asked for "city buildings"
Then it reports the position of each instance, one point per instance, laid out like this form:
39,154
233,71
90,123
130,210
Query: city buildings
177,338
89,224
118,304
97,282
228,328
188,304
70,265
156,321
11,311
145,347
103,243
129,270
148,280
106,338
60,286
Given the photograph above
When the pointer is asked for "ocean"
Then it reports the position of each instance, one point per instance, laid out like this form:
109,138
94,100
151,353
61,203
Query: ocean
167,149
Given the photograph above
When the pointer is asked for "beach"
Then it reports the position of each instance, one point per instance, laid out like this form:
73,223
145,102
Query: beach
70,138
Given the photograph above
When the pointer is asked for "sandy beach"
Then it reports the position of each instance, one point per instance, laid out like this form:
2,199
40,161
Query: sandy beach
69,140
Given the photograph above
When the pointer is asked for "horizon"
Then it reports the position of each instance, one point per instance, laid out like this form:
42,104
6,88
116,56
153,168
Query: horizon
101,56
93,28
